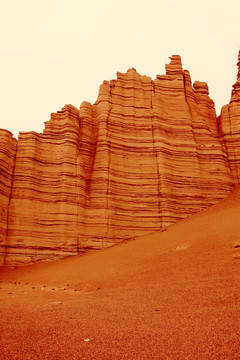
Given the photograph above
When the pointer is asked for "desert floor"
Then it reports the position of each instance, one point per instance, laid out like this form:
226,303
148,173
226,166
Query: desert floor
171,295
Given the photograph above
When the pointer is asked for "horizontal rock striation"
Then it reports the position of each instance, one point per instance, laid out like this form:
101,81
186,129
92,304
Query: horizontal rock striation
8,146
147,154
229,128
46,191
157,155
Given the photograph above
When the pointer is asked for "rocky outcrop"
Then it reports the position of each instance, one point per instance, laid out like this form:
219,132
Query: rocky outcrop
229,127
46,192
7,162
145,155
157,158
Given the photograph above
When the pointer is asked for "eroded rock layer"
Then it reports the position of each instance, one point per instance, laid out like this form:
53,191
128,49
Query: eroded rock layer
229,126
46,191
7,162
145,155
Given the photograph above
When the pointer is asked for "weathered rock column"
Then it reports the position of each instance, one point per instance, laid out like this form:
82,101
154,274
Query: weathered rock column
8,146
43,209
229,128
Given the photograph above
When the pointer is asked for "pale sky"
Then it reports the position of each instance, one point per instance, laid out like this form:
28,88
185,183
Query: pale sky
57,52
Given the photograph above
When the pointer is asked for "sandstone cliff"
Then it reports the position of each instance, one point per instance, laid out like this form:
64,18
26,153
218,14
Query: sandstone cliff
147,154
7,162
229,126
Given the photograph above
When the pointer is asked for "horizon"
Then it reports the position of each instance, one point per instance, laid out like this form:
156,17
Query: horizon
55,53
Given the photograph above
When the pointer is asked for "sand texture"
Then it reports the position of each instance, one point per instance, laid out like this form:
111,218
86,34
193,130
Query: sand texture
167,295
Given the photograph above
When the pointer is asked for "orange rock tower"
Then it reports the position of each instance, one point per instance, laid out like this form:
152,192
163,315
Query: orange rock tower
147,154
229,128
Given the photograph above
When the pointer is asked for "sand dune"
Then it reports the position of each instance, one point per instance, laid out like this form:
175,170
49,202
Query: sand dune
167,295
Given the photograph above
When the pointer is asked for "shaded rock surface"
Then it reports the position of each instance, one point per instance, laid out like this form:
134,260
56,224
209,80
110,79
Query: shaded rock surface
147,154
229,125
8,146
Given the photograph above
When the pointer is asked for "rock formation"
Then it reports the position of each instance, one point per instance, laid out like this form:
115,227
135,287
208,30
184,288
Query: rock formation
147,154
7,162
229,126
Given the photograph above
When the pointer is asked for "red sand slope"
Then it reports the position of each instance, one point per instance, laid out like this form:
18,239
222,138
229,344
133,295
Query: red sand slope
170,295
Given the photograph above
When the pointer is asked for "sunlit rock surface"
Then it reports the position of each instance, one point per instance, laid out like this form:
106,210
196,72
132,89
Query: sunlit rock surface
147,154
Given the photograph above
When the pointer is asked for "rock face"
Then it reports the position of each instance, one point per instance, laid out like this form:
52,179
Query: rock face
7,162
147,154
43,209
229,126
